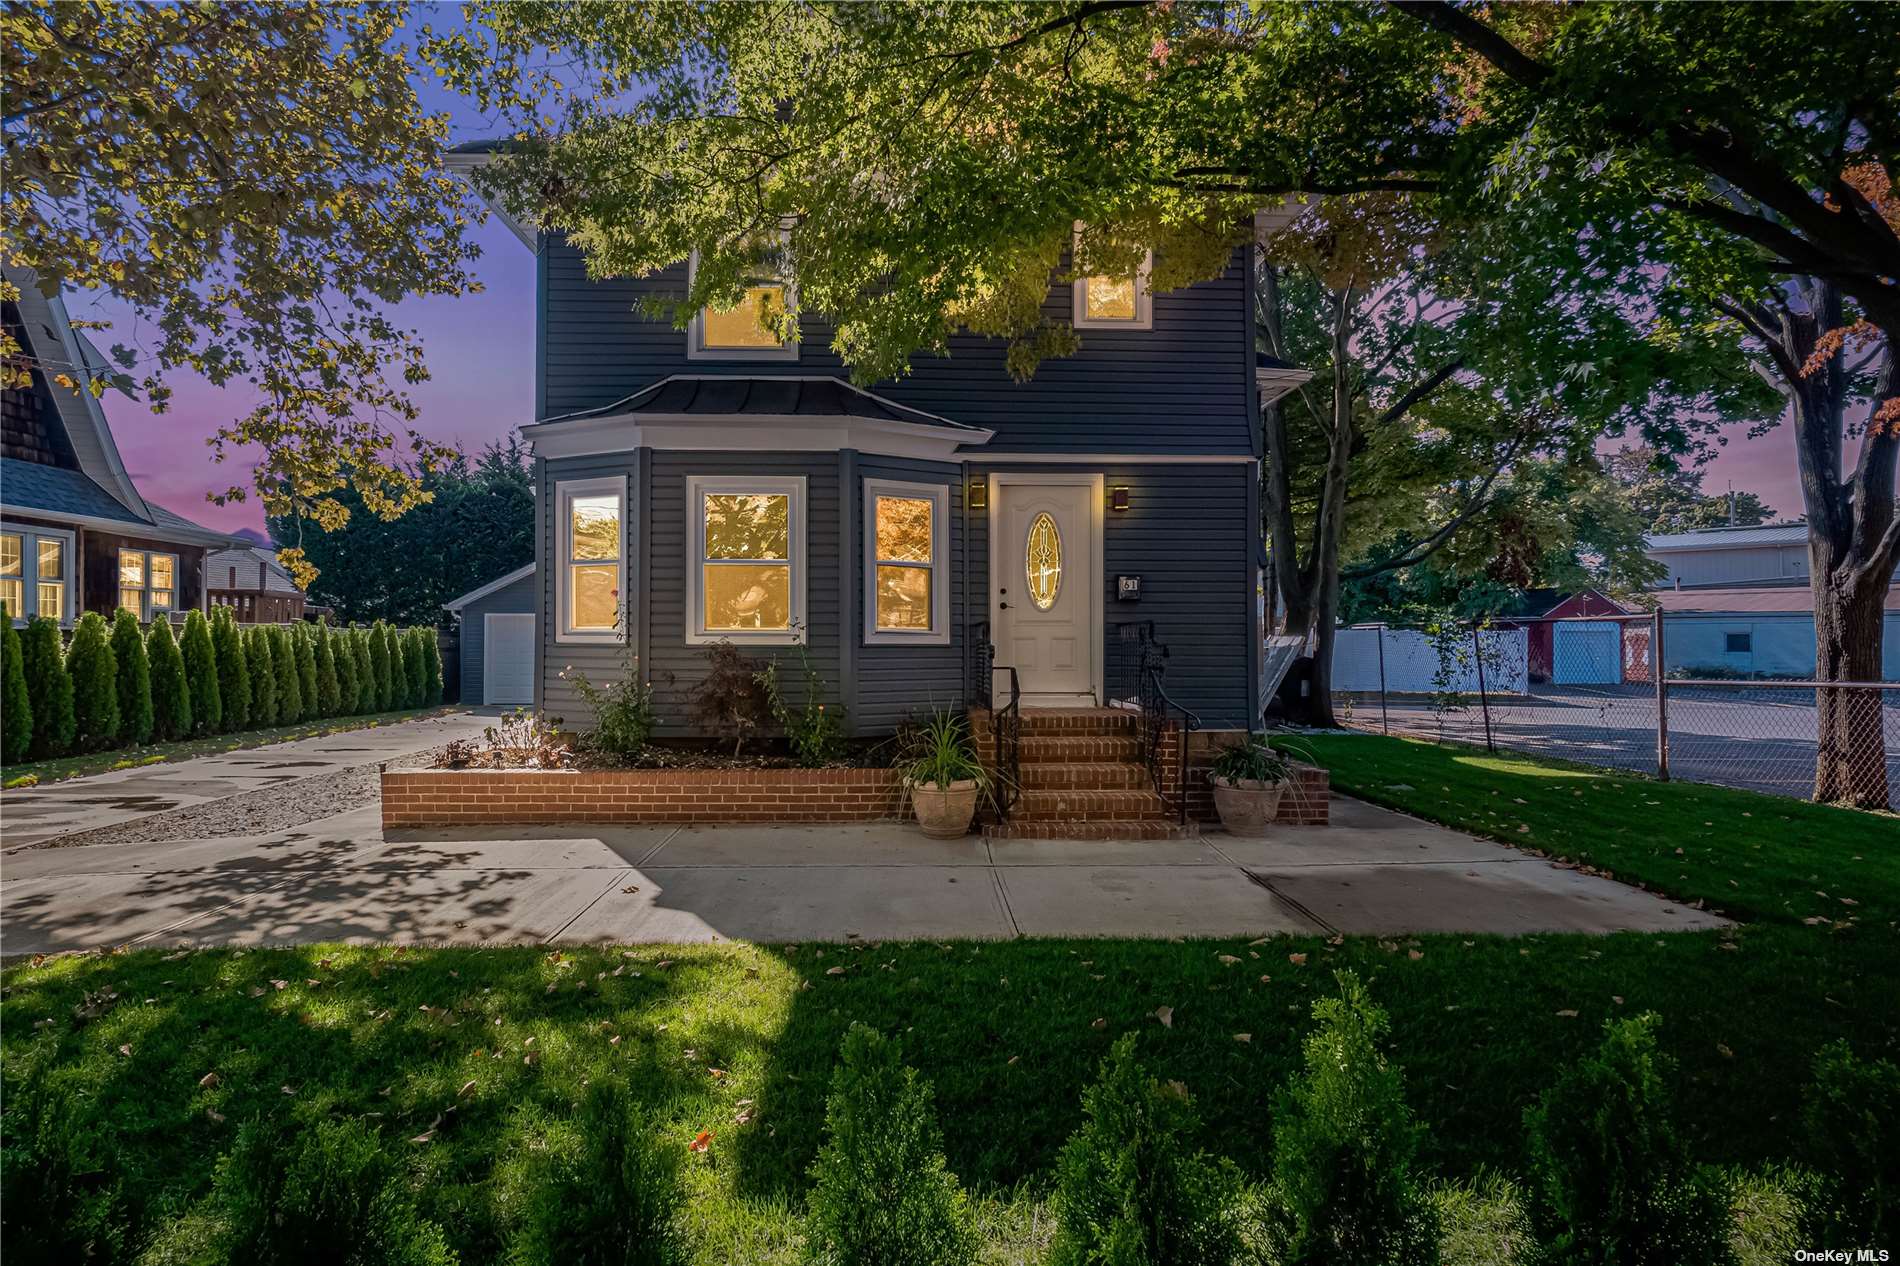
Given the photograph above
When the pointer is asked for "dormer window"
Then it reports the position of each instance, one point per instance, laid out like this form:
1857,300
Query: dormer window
743,332
1110,302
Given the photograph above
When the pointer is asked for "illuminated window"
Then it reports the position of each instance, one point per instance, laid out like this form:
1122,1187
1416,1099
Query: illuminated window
748,583
148,582
1042,561
591,580
46,591
1115,303
905,544
746,331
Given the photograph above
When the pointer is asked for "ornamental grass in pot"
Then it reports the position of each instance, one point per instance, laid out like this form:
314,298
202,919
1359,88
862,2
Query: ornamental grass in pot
1249,780
941,769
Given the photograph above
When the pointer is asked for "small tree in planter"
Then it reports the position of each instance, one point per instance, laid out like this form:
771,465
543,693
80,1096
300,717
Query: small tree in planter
95,685
1249,779
939,765
134,673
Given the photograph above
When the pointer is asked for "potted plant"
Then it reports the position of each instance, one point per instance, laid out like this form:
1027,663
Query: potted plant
938,762
1249,779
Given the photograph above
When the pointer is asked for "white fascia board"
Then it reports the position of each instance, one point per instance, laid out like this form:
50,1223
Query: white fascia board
994,460
464,165
475,595
1277,383
795,433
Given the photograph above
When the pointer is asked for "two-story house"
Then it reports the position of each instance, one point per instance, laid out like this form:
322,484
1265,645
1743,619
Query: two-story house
917,540
76,535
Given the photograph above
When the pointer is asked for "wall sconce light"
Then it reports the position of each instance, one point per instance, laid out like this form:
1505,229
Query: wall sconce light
979,497
1118,497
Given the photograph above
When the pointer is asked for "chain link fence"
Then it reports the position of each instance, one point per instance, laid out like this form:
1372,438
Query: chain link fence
1587,689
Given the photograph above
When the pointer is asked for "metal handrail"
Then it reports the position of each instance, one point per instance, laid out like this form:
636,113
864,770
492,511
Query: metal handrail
1006,723
1154,704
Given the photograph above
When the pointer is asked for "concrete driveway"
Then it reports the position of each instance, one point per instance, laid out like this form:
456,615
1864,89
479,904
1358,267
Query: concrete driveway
341,879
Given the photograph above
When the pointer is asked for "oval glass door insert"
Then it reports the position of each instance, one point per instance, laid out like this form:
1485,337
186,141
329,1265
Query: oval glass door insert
1042,561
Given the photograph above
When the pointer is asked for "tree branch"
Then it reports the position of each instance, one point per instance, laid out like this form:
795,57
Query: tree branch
1438,539
1483,40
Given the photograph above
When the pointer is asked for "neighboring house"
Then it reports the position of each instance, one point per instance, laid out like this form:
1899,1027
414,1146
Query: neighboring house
497,646
254,585
1760,632
1563,644
1766,554
708,485
75,534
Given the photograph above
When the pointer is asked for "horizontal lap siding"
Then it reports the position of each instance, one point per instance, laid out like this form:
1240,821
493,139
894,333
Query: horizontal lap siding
601,662
1187,534
516,598
1181,387
895,682
674,667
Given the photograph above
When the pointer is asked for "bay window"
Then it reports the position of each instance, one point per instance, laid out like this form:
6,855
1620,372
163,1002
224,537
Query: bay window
905,544
36,572
592,576
148,583
746,579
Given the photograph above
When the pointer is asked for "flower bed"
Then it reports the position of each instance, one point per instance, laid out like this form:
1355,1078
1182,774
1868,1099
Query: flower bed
497,797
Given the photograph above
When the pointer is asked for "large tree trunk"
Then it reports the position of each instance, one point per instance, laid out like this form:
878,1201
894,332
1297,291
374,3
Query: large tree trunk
1850,764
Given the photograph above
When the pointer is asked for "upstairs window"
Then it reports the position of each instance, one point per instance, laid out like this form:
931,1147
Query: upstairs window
905,544
748,576
744,332
148,583
36,573
592,574
1109,302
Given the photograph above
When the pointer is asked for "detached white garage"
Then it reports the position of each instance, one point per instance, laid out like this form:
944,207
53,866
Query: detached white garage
498,641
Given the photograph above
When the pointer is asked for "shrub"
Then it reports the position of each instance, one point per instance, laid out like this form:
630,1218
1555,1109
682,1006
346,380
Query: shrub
283,660
201,674
431,669
815,732
234,680
409,652
16,712
1130,1188
398,675
329,1196
381,689
365,670
881,1191
327,696
1482,1224
1851,1124
171,694
1610,1182
729,701
623,711
1768,1225
343,647
263,676
49,689
135,679
615,1201
303,642
1344,1144
59,1198
95,677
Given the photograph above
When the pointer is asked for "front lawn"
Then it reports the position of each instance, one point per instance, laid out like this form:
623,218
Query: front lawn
464,1059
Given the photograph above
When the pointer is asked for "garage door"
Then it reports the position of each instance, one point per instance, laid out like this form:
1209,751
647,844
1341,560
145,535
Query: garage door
508,659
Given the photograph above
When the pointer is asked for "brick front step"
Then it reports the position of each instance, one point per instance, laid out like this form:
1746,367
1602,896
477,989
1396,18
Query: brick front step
1144,829
1066,722
1115,776
1088,806
1088,750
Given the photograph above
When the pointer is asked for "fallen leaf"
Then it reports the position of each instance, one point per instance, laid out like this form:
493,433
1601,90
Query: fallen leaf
1568,1015
1415,955
1298,960
834,971
1100,1022
280,984
466,1087
1228,959
701,1142
209,1080
1243,1037
1166,1016
126,1050
1724,1051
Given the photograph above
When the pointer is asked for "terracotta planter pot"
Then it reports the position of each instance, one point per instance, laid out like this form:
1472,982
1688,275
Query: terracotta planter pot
1247,807
944,813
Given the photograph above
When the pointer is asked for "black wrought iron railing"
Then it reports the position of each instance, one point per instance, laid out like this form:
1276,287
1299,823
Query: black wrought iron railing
1005,721
1139,664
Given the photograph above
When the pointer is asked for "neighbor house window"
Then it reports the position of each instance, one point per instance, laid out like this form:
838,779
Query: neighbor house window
1111,302
748,576
148,583
592,576
1738,643
905,544
36,573
746,331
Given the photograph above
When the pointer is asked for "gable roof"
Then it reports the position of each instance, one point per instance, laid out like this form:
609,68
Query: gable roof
271,576
473,595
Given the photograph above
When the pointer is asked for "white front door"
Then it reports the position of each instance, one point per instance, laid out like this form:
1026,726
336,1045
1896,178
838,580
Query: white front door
1045,576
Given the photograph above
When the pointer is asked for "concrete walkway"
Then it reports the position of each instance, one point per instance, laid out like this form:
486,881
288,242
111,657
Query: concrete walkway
31,815
339,879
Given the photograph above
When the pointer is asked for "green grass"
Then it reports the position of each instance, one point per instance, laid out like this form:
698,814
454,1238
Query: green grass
61,768
481,1053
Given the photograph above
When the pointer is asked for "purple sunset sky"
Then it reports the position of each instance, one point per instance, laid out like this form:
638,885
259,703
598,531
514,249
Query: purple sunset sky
480,352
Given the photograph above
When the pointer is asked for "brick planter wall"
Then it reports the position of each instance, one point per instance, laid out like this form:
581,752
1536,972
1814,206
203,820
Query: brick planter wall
1304,804
501,797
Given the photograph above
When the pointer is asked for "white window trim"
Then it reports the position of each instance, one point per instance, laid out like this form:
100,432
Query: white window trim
145,612
1144,300
696,348
938,634
697,486
29,570
565,491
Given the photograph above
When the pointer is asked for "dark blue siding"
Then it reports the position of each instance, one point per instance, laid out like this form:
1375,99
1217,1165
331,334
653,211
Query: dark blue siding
1182,387
895,682
518,598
